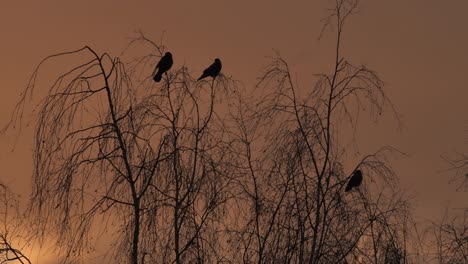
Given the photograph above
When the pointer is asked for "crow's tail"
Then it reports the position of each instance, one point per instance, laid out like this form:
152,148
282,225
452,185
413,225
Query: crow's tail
157,77
348,188
203,76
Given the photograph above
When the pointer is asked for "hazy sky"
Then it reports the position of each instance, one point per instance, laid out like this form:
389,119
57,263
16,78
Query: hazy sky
418,47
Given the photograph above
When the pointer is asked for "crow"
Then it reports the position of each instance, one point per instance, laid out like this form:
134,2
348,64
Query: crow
212,71
355,180
163,66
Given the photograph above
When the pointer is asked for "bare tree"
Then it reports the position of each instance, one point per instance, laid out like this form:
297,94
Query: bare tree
173,178
459,168
10,229
294,172
114,152
447,239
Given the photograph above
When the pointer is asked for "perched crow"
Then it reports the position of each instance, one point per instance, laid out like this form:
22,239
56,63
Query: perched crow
163,66
355,180
213,70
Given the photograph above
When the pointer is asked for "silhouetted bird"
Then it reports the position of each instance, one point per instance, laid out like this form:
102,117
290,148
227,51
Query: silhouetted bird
355,180
163,66
213,70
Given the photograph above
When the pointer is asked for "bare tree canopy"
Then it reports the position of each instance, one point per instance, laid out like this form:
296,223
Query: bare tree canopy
174,177
10,219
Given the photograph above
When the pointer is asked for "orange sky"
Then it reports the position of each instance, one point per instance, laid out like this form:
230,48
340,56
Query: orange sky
419,47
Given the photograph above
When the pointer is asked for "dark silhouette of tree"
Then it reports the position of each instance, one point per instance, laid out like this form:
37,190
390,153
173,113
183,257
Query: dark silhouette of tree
109,150
354,181
173,178
163,66
458,163
212,71
10,228
293,206
447,239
